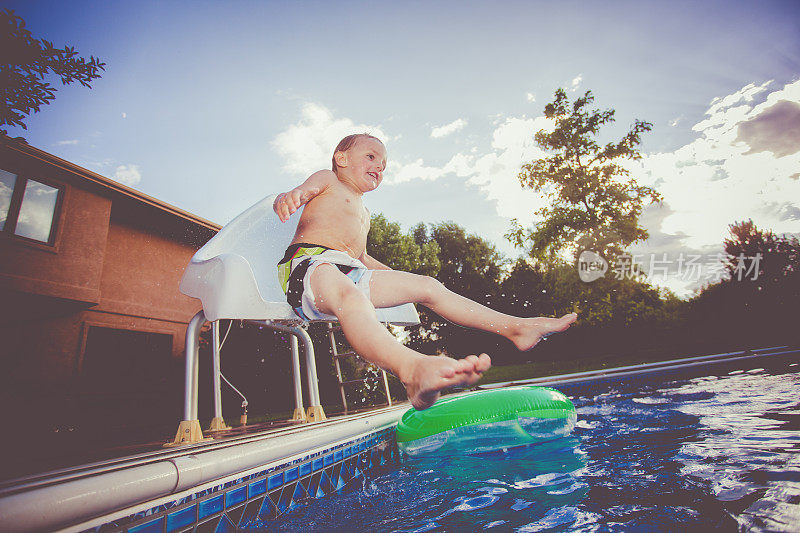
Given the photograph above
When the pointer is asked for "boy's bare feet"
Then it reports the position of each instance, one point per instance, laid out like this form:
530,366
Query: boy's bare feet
530,331
430,374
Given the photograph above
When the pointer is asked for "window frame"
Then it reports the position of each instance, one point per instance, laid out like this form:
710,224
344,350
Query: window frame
10,226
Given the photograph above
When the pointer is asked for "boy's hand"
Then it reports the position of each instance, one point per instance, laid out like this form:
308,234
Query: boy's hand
288,203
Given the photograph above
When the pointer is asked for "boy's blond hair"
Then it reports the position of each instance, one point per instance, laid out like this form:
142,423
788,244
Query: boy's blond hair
347,143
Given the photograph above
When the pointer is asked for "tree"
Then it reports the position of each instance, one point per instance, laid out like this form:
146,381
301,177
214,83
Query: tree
761,258
24,64
470,265
594,203
387,243
759,302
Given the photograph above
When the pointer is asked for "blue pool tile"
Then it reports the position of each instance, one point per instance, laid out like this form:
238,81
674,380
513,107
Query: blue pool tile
274,481
210,506
337,455
305,469
318,463
328,460
156,526
291,474
181,518
235,496
259,487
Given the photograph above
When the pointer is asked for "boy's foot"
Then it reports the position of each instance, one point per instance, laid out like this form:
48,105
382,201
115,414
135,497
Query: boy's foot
430,374
531,330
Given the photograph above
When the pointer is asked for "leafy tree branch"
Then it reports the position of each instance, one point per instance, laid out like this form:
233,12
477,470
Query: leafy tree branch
594,202
25,62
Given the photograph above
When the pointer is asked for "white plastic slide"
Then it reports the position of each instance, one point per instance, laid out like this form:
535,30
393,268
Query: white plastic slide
235,276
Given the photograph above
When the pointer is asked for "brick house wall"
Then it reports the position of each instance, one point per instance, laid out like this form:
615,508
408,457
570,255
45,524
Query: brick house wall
91,307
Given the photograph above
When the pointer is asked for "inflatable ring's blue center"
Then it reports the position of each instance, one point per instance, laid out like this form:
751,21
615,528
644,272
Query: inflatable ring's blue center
486,420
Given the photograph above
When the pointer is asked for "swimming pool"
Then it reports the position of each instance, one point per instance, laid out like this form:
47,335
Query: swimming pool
701,448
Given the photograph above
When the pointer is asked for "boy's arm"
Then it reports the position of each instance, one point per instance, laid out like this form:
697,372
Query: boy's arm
289,202
372,263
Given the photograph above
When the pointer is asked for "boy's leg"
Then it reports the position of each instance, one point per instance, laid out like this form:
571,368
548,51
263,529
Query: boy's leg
424,376
389,288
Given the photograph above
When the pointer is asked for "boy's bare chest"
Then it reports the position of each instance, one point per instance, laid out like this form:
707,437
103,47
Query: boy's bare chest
340,208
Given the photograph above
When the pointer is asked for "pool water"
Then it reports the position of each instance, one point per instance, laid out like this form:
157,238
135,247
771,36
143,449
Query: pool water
664,452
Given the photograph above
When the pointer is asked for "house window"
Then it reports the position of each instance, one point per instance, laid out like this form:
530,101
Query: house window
28,207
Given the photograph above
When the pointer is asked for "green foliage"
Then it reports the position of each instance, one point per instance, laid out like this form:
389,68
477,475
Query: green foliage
594,203
387,243
24,64
760,301
557,290
470,265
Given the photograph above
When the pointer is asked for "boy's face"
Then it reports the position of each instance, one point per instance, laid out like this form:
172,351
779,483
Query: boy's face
363,164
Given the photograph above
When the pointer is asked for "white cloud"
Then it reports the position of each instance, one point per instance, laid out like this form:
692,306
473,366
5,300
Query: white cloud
459,164
70,141
714,180
128,175
447,129
530,97
124,115
576,81
494,171
307,146
718,179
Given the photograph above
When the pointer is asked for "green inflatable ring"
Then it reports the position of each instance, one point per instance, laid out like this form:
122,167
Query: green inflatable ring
486,420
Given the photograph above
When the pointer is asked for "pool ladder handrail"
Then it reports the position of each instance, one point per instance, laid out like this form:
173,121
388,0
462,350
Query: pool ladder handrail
337,355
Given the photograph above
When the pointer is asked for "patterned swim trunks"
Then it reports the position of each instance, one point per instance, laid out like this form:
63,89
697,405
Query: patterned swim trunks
296,267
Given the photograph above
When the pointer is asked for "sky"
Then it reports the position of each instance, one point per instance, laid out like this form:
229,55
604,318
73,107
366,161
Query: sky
210,106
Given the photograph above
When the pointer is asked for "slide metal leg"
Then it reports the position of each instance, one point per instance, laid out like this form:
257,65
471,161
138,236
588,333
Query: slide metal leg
315,412
299,411
218,422
189,430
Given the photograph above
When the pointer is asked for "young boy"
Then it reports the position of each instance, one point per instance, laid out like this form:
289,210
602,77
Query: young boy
326,273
